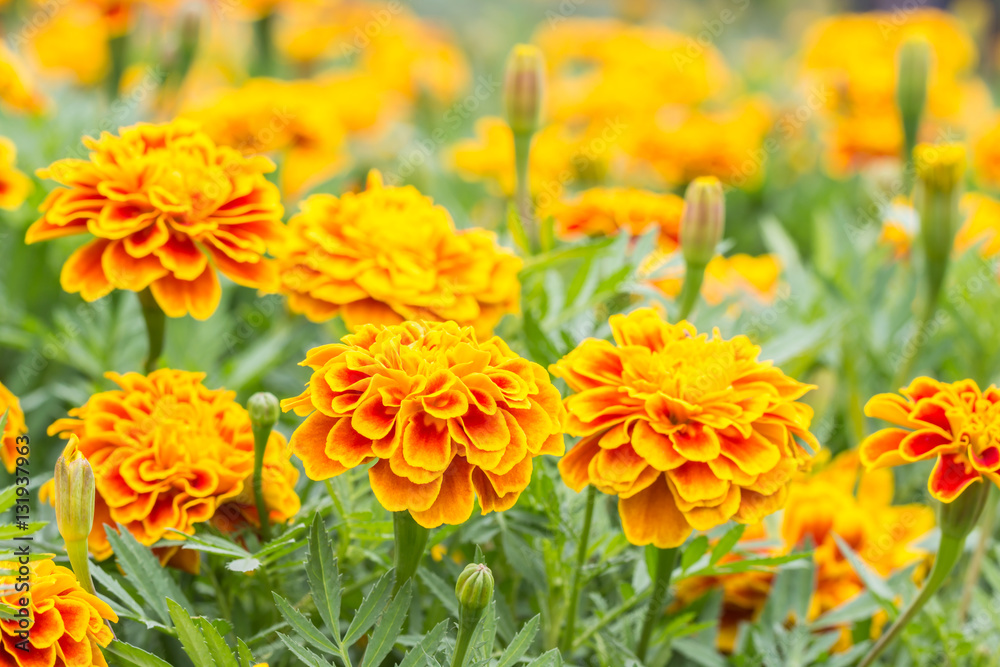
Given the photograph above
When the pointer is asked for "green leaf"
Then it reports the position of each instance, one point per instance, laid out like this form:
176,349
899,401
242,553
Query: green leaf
370,607
726,543
143,571
246,657
694,551
698,653
873,582
9,495
217,646
324,577
10,531
212,544
192,640
423,652
441,590
550,658
133,655
302,653
389,626
303,627
483,636
520,644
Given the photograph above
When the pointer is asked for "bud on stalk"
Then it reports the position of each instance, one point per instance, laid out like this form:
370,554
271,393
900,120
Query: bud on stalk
940,173
702,225
524,86
75,495
474,591
911,89
264,410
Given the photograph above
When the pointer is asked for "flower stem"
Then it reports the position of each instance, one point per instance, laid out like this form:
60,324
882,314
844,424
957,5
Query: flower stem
261,434
581,558
976,563
466,627
693,277
666,560
80,562
411,542
522,153
155,324
263,39
118,46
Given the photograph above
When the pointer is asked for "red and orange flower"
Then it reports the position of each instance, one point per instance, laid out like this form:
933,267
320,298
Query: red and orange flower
688,431
445,418
167,207
608,211
67,624
12,429
956,424
167,452
388,254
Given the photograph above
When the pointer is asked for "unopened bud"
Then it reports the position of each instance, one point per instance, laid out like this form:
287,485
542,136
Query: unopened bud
75,494
264,410
911,85
524,88
474,588
940,167
958,518
703,221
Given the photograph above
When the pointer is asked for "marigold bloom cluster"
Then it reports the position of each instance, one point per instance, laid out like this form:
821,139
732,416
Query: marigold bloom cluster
388,254
957,425
168,208
166,453
12,430
67,624
446,418
689,431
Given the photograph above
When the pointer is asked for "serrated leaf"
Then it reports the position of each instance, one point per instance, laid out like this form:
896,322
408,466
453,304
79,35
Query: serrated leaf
134,655
143,571
698,653
726,543
10,531
423,653
483,636
246,657
192,640
520,644
440,589
547,659
212,544
302,653
303,627
693,552
221,653
389,626
324,577
370,607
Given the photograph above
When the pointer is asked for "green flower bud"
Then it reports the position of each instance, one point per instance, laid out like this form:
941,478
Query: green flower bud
703,220
75,494
957,518
474,588
524,88
940,175
264,410
911,85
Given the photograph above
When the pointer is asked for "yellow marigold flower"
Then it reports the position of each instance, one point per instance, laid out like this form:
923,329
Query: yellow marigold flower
67,624
606,211
446,418
688,431
833,501
388,254
17,91
728,277
73,43
12,430
278,484
163,200
955,424
14,185
980,230
986,155
166,452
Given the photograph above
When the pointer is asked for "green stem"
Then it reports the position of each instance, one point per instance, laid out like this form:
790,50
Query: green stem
581,558
118,45
522,154
263,29
79,560
610,618
411,542
261,434
666,560
976,562
693,277
466,627
155,325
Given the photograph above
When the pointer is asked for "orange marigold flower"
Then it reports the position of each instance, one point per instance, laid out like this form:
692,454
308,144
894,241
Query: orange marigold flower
67,623
388,254
12,430
279,478
606,211
728,277
445,417
14,185
168,208
166,452
957,424
688,431
17,91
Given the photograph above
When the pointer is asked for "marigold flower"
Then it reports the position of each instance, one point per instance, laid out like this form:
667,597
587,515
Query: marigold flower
688,431
17,91
168,208
73,43
986,155
980,229
67,623
446,418
388,254
12,430
166,453
14,185
956,424
729,277
607,211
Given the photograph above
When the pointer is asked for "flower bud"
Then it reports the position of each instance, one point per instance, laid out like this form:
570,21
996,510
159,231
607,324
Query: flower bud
940,167
940,174
911,85
264,410
957,518
75,493
703,220
524,87
474,588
